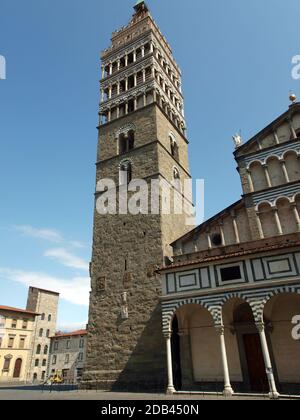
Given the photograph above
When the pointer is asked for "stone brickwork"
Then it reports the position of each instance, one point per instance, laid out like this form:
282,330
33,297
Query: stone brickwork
125,346
45,303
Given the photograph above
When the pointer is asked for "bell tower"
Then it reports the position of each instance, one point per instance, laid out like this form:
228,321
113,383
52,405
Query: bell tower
142,135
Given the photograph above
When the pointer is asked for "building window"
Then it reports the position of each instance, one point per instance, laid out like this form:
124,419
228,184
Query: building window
49,318
25,324
46,350
231,273
217,239
54,359
41,332
174,146
22,343
7,361
36,363
43,375
81,343
43,317
14,323
67,358
126,142
68,344
47,333
44,363
125,172
11,342
56,345
38,349
80,357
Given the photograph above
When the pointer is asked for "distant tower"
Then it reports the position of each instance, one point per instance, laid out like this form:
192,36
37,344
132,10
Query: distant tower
142,133
45,303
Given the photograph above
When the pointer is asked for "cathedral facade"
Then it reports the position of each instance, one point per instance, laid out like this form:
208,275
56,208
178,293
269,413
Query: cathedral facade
208,309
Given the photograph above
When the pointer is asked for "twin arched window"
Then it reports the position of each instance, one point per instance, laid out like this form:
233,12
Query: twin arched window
173,146
126,142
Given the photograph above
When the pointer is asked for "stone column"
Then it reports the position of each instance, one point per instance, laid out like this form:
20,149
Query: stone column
119,64
118,88
126,60
285,172
296,214
209,240
222,234
110,92
170,389
251,186
151,47
126,84
276,137
145,98
118,111
126,108
236,229
293,131
269,370
103,71
135,103
143,51
102,95
144,75
228,391
110,69
259,225
267,176
134,56
109,115
135,79
277,221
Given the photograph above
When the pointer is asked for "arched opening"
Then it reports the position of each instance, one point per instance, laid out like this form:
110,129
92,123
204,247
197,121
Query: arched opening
281,310
258,176
17,369
275,171
286,216
267,220
292,164
38,349
126,142
245,356
196,348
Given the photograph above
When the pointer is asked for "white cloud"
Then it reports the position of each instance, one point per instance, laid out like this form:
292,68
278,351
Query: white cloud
46,234
74,290
50,235
67,259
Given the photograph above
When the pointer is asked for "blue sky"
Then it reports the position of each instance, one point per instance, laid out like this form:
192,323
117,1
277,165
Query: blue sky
236,61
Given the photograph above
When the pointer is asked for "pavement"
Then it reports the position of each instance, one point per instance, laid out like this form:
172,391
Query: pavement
34,393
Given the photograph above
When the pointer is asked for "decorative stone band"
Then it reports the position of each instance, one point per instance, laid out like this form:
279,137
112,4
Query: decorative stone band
128,48
257,299
139,66
278,152
271,196
140,90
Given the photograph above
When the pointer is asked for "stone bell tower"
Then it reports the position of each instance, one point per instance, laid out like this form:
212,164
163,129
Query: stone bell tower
142,135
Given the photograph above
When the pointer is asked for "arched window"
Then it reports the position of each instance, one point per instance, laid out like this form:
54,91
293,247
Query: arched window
43,317
38,349
46,349
176,173
47,333
173,146
126,142
49,318
125,172
41,332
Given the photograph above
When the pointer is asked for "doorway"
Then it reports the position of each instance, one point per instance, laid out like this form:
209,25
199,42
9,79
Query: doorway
17,370
255,363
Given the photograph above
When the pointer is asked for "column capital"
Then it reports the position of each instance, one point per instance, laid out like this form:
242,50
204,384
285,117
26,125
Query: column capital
220,329
260,326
